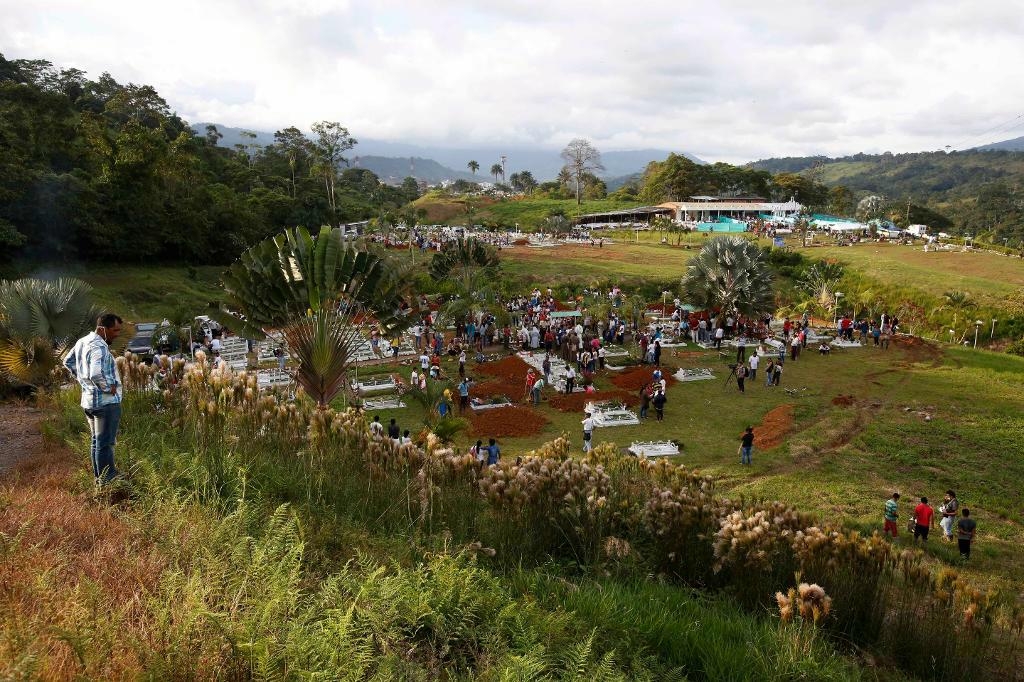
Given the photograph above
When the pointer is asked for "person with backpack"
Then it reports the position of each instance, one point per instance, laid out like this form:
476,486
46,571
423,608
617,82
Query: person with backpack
741,377
659,401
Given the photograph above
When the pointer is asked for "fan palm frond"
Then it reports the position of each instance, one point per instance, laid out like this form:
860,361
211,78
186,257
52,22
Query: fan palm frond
730,273
279,280
323,343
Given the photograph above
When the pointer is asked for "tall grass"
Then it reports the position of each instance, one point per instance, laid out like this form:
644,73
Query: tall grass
603,513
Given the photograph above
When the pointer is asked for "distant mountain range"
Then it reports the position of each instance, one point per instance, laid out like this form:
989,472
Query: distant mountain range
392,161
1014,145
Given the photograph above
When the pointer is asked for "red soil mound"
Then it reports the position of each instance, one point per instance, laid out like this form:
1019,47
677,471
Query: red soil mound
513,389
843,400
511,368
576,401
774,427
634,379
506,422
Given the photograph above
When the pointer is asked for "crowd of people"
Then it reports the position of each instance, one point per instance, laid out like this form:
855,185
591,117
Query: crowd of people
954,520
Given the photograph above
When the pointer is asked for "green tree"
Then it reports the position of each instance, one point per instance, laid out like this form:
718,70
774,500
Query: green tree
730,273
329,147
473,167
496,171
296,148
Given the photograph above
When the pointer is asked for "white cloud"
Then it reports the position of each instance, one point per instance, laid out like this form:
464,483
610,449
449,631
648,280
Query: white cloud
729,80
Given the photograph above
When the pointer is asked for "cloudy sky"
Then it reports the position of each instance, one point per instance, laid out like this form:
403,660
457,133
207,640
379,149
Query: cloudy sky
733,80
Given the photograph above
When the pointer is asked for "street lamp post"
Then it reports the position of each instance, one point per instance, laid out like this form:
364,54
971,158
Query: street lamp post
977,326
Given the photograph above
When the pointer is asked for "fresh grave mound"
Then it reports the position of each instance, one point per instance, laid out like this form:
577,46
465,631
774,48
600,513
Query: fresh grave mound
917,349
506,422
577,401
635,378
511,368
774,427
506,387
843,400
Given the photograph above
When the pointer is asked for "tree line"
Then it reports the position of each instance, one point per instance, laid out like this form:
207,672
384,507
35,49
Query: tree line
97,170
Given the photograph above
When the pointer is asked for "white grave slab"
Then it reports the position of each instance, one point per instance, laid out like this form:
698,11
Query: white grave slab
479,404
659,448
388,402
698,374
844,343
272,378
371,385
615,418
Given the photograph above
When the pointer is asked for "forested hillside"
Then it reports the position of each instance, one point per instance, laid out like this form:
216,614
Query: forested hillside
977,192
99,170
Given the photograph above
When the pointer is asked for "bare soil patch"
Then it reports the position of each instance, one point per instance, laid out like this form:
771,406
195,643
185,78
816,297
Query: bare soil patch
576,401
774,427
506,422
634,379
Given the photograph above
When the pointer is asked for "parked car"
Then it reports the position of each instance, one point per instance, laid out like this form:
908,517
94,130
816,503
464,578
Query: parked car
142,343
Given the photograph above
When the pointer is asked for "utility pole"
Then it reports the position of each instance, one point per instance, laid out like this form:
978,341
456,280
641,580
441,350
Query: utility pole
503,168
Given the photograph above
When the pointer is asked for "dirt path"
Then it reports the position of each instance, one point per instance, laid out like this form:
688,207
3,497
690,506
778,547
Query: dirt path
19,435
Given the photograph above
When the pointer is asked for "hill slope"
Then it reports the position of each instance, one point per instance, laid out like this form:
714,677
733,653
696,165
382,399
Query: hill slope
929,176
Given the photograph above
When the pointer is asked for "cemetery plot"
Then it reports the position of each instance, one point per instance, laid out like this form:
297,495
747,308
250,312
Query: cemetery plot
388,402
697,374
845,343
611,351
373,384
611,413
272,378
657,448
478,404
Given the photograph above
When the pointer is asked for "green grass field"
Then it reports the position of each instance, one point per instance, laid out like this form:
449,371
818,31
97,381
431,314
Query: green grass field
839,461
842,461
989,277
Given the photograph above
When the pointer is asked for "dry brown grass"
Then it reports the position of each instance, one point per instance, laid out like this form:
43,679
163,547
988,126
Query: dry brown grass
73,577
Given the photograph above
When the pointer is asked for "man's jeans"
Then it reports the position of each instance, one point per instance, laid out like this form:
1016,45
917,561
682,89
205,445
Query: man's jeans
103,423
745,455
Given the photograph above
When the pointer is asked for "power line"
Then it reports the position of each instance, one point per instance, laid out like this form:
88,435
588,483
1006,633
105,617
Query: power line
1012,123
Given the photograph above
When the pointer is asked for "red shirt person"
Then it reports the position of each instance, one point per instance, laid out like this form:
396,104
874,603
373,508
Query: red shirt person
923,520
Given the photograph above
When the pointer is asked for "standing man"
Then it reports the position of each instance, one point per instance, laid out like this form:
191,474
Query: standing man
741,376
891,515
463,395
535,391
755,360
570,379
965,529
93,366
747,446
924,519
950,509
588,431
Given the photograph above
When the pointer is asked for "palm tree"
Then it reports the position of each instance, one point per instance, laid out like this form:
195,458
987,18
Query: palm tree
960,302
496,171
730,273
473,167
313,288
323,343
39,322
470,265
821,274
